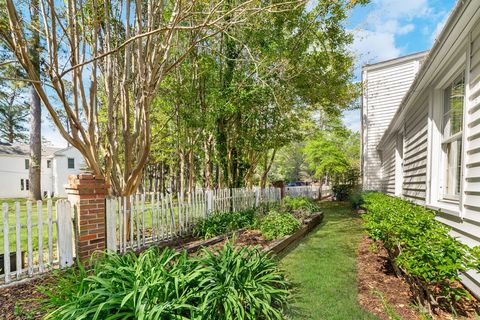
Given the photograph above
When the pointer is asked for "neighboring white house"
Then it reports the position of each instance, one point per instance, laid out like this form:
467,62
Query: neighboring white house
57,164
385,85
430,151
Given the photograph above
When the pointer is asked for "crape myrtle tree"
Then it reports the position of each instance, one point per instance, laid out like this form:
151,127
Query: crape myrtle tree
245,93
104,62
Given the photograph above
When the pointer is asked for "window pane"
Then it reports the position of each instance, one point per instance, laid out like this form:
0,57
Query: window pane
453,108
71,163
453,152
27,163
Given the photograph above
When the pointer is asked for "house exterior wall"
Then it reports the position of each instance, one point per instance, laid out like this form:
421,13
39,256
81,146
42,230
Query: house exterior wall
53,179
384,86
421,165
61,170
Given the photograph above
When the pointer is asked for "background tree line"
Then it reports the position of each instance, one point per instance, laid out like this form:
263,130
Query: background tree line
178,95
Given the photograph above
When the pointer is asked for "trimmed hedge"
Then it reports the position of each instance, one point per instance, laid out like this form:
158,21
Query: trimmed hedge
420,249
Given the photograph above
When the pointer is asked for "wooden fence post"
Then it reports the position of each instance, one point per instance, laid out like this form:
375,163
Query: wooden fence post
87,193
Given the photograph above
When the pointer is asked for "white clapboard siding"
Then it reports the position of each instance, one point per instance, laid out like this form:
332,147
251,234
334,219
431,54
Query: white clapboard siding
415,154
385,85
472,132
36,238
388,167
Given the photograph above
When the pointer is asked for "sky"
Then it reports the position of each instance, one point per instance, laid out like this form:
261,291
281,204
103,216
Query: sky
387,29
383,29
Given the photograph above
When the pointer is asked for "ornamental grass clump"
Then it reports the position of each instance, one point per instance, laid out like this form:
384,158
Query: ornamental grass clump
226,284
420,249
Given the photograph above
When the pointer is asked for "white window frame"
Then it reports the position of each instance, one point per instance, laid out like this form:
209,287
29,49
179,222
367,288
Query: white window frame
458,136
436,162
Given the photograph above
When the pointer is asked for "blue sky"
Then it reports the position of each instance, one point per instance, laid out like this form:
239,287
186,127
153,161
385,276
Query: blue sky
383,29
386,29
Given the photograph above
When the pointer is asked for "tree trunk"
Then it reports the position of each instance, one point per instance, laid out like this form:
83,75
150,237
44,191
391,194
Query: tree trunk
266,169
35,110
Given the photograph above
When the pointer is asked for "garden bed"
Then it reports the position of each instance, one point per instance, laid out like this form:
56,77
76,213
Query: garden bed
387,296
14,305
254,238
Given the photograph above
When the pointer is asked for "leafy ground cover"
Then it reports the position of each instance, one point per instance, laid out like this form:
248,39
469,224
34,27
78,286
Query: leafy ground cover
273,221
322,268
420,250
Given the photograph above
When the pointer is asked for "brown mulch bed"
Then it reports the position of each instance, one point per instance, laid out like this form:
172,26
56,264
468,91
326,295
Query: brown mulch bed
382,293
246,238
21,301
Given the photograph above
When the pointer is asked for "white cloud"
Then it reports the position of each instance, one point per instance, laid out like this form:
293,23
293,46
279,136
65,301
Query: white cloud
439,27
402,8
370,46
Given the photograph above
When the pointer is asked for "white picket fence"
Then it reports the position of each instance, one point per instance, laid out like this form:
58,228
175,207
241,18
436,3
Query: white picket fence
38,237
141,220
40,231
312,192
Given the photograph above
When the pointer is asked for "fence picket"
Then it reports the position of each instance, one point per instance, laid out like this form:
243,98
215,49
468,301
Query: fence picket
29,238
50,232
40,234
6,244
18,239
64,233
111,224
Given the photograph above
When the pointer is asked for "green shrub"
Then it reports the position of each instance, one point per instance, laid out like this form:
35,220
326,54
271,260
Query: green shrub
300,204
420,247
278,224
341,192
241,284
357,200
226,284
220,223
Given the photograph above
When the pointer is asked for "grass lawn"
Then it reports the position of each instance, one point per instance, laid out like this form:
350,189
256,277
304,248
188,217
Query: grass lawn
23,223
323,268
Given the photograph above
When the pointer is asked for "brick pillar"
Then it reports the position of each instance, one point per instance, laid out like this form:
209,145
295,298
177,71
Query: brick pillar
87,195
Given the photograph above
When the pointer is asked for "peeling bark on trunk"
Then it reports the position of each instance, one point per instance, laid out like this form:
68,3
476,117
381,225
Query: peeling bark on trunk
35,111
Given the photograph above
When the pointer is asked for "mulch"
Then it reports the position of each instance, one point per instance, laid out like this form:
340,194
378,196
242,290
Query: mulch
21,301
387,296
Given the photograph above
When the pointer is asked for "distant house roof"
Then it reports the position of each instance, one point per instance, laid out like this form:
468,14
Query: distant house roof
24,150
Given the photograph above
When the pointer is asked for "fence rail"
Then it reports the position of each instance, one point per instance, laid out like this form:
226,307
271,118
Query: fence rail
140,220
36,238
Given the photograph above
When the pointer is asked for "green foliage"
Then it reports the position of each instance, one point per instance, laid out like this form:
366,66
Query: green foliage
219,223
226,284
303,205
334,152
420,246
241,284
278,224
356,200
341,192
